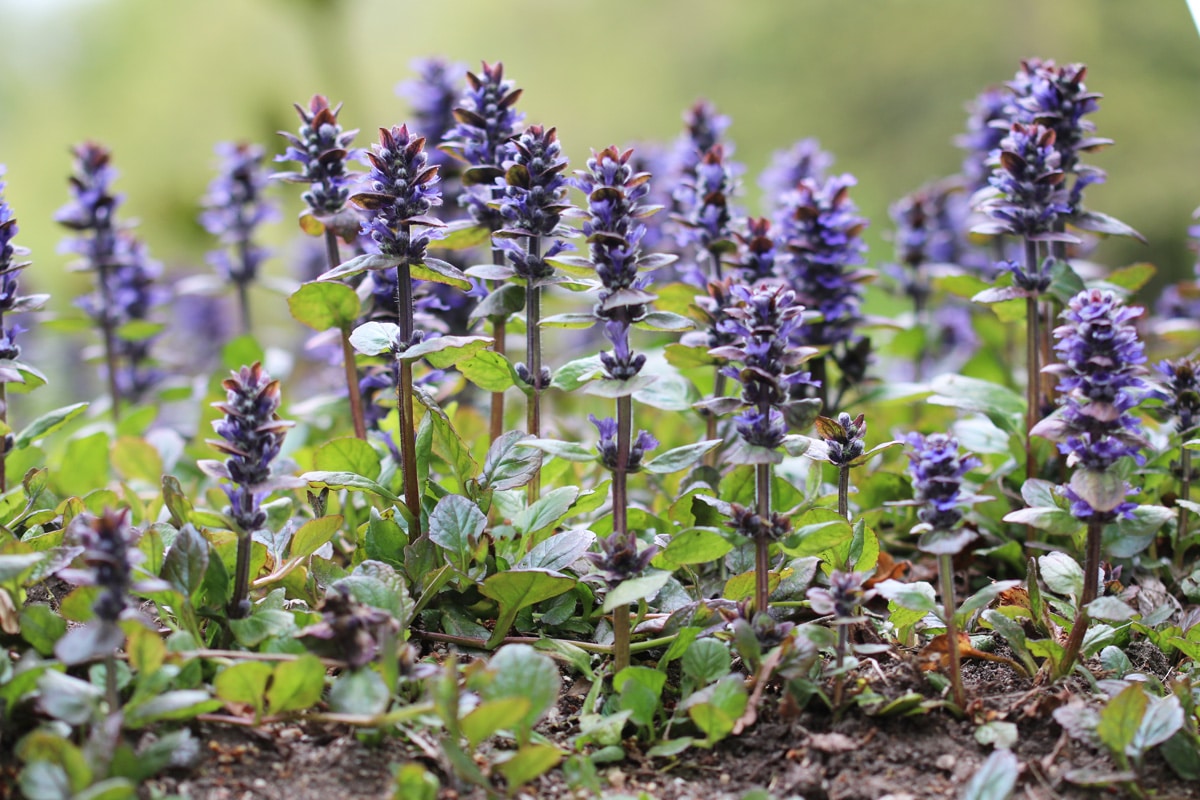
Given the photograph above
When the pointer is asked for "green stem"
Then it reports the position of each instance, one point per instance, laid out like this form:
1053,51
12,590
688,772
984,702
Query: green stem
499,336
332,259
844,491
533,362
949,605
762,544
839,679
621,637
239,605
1033,372
404,389
1185,494
1091,587
110,683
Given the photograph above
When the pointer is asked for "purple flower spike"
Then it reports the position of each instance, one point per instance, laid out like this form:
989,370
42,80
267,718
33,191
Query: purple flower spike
804,160
1182,392
1027,195
937,470
989,118
234,208
433,95
10,268
322,150
401,190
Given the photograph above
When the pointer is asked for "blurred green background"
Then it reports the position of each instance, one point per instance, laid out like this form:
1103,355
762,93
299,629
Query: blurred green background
882,84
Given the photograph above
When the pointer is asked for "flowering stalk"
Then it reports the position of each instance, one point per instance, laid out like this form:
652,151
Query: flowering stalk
487,122
322,149
843,600
233,210
91,213
1026,198
937,470
251,437
532,207
764,321
10,302
820,228
1099,370
401,190
1183,406
844,439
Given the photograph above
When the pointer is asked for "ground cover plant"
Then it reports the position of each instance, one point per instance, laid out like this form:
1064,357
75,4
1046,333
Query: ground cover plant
585,473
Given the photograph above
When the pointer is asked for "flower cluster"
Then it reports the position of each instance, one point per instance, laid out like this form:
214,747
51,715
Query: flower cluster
534,197
251,436
1056,97
1100,367
608,447
820,227
844,437
758,253
91,211
234,208
10,268
988,122
432,96
937,469
764,320
755,526
620,558
614,232
843,599
352,628
1182,392
804,160
322,149
703,202
135,292
481,139
401,189
1026,195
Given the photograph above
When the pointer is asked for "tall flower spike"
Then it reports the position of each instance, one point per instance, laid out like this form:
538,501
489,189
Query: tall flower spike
487,122
1026,195
937,469
1182,390
402,188
1100,376
11,301
136,292
234,208
704,213
252,435
433,95
804,160
820,226
988,122
322,150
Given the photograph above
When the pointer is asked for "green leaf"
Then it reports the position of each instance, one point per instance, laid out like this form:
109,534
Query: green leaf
1061,574
1134,533
41,627
359,691
47,423
1111,609
145,649
1004,407
377,584
680,458
296,685
817,531
995,780
529,762
444,352
414,782
1162,720
1101,489
325,304
1053,520
320,479
573,374
514,590
172,706
576,320
715,709
558,552
314,534
918,596
692,546
569,451
1131,278
348,454
706,661
42,780
546,511
375,338
186,561
1121,719
456,525
363,263
665,321
489,371
462,235
71,700
493,715
521,671
134,458
634,589
262,624
245,683
685,356
509,464
438,271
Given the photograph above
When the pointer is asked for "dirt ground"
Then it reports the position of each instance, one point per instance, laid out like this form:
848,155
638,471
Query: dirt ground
807,755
